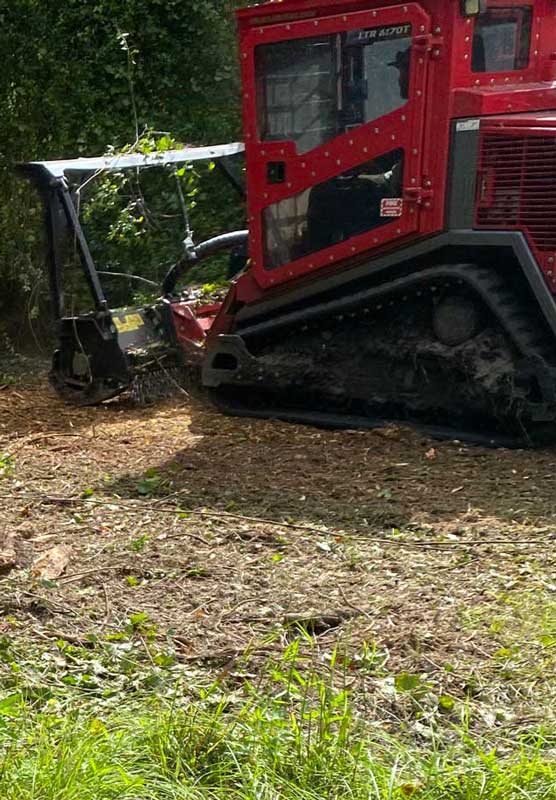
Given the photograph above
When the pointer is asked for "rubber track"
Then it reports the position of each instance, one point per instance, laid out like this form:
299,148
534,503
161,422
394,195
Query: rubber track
514,314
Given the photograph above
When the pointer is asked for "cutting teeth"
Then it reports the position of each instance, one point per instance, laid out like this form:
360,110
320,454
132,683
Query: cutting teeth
152,387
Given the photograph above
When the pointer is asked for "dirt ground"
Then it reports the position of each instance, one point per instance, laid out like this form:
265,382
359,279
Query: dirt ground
417,558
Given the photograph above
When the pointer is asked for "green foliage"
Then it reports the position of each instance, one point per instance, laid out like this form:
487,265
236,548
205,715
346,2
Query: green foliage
139,544
297,734
150,484
135,223
7,465
78,78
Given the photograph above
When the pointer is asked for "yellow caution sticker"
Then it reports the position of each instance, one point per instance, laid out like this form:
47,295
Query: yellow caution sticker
128,322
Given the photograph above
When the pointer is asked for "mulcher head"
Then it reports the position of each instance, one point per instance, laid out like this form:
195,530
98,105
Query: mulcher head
151,350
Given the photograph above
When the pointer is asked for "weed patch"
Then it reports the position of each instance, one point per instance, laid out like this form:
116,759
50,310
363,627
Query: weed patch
300,736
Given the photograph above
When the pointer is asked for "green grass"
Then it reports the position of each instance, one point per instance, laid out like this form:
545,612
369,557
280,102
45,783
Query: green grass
256,752
293,736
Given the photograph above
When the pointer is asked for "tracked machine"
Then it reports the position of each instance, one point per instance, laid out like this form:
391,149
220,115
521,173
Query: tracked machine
401,203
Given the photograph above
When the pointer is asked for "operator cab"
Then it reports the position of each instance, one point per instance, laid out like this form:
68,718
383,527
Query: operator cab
348,111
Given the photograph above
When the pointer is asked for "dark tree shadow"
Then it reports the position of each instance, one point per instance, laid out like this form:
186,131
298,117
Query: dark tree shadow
387,479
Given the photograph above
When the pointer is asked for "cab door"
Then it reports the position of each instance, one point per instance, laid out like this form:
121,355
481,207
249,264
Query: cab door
333,115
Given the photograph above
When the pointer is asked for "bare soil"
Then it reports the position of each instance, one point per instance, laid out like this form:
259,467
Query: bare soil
412,556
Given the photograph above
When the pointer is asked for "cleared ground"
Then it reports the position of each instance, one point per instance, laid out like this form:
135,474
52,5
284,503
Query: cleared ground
209,544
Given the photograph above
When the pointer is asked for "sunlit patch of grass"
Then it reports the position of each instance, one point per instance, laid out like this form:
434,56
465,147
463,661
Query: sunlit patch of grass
516,681
520,620
297,735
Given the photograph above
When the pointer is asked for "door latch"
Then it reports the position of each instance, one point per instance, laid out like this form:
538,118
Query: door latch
429,44
420,195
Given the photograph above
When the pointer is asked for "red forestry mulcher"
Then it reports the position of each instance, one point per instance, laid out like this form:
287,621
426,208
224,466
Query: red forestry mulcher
401,200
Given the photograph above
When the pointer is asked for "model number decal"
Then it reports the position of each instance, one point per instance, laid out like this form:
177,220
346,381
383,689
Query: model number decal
369,35
128,323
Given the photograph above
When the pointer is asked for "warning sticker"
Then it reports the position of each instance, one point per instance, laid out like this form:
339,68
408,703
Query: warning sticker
127,323
391,207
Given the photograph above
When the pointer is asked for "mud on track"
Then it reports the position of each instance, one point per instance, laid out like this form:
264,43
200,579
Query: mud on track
414,557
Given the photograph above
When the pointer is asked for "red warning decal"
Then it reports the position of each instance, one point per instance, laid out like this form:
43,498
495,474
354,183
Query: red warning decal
391,207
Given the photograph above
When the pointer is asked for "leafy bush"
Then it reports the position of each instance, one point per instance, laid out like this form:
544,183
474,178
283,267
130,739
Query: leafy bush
80,77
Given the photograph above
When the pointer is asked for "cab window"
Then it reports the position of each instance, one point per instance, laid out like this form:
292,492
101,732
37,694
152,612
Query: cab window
350,204
311,90
502,39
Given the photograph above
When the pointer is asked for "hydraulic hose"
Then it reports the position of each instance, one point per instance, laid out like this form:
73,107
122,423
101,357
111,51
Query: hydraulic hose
199,252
